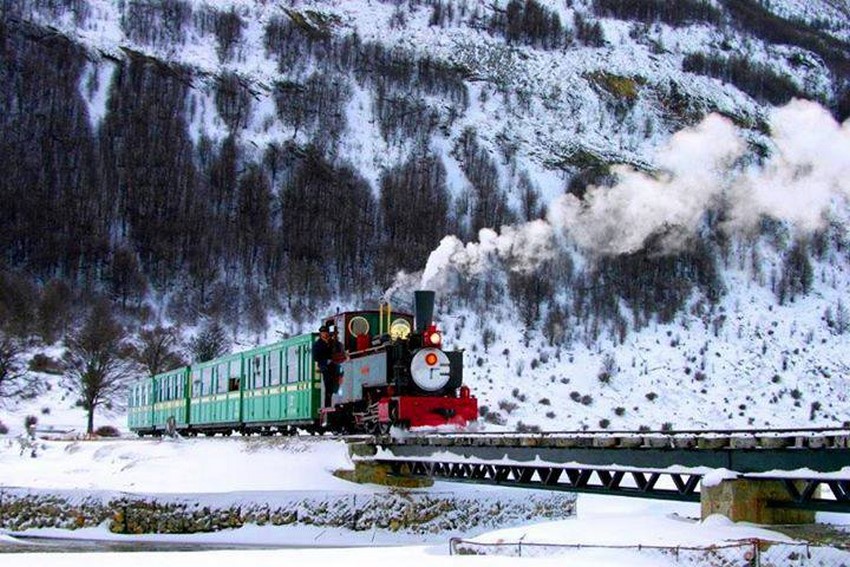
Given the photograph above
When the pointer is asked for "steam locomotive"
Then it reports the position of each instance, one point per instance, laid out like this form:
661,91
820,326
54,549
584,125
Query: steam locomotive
394,372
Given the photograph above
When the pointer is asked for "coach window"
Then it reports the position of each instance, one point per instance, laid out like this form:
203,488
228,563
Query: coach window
223,375
292,359
274,369
207,380
255,371
196,383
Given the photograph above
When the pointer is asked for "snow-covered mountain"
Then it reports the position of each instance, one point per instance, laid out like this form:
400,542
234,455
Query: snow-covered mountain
258,162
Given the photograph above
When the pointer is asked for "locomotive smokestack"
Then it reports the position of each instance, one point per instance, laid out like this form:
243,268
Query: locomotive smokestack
424,300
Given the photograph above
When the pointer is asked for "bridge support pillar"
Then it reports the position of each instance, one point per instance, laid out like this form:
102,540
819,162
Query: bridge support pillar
367,471
752,500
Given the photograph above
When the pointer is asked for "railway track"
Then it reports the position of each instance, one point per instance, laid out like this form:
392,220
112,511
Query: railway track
808,438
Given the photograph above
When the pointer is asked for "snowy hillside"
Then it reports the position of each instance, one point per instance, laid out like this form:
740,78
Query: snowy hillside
627,222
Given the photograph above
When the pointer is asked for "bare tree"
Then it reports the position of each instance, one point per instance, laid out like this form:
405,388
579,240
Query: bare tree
211,342
159,349
15,382
97,364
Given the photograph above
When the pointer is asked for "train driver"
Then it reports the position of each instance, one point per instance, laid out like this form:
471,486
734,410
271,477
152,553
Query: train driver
324,350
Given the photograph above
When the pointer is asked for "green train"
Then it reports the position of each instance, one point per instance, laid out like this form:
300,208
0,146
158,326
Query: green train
266,389
393,372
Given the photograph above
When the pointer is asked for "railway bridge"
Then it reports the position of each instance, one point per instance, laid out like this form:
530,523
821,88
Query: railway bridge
762,476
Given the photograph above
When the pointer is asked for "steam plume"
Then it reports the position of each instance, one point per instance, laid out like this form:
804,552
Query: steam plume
700,168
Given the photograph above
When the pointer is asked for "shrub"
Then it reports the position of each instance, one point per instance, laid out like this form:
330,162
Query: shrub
575,396
495,418
43,363
550,414
516,394
523,428
651,396
3,428
586,400
667,426
619,411
604,423
776,379
545,402
45,410
483,411
107,431
30,421
507,406
796,393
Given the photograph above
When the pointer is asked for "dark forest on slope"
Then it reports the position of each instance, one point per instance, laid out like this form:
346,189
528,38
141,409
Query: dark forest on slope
137,206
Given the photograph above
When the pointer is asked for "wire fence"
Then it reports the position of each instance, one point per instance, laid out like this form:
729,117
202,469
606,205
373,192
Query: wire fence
743,553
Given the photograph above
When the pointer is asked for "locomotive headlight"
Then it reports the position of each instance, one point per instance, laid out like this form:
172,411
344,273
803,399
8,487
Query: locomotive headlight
430,369
435,339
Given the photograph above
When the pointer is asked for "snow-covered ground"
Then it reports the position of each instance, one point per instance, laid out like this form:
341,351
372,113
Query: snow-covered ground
274,468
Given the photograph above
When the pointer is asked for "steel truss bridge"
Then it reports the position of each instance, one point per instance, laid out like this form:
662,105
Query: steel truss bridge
665,465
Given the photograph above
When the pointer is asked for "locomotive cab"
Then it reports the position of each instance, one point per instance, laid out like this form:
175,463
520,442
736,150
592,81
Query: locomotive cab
362,331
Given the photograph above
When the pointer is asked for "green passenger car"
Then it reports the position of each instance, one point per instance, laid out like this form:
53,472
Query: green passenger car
170,407
274,387
140,406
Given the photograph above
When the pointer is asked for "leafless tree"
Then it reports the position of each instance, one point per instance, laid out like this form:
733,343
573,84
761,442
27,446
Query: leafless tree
159,349
15,381
211,342
97,361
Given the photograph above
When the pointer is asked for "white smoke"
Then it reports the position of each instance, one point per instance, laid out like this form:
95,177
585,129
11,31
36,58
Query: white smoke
695,166
518,248
807,174
699,169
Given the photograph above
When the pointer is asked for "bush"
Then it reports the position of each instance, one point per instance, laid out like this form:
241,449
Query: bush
586,400
3,428
30,421
544,402
516,394
604,423
550,414
619,411
575,396
523,428
107,431
815,407
495,418
507,406
651,396
483,411
43,363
